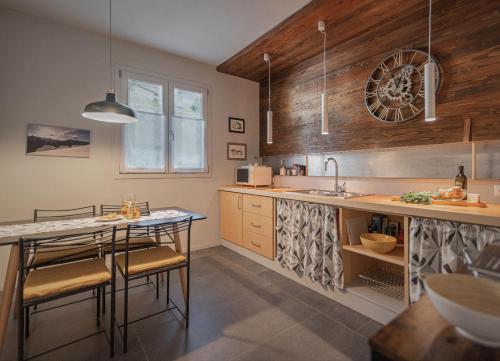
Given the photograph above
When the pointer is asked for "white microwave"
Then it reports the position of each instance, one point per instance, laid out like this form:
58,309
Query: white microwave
254,175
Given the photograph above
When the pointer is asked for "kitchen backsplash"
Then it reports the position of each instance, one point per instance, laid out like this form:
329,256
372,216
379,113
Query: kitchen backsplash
423,162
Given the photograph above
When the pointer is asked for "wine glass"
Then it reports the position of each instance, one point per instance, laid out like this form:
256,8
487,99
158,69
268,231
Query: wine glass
129,198
128,203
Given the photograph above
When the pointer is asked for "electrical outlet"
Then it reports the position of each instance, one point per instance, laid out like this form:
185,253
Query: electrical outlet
496,190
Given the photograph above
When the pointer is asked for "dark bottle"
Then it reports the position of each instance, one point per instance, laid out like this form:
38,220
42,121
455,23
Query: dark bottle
461,179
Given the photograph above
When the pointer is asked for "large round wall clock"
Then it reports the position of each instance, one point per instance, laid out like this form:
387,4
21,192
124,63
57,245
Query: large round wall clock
394,91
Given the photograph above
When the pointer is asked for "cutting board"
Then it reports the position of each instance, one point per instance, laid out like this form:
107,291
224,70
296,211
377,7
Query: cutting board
459,203
449,203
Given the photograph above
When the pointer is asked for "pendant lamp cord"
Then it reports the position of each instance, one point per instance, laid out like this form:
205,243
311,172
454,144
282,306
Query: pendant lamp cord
269,84
110,51
324,62
430,29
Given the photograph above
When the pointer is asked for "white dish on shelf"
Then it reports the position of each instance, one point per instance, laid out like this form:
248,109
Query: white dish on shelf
471,304
355,228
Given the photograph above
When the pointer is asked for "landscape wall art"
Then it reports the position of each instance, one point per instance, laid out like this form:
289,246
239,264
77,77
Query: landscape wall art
57,141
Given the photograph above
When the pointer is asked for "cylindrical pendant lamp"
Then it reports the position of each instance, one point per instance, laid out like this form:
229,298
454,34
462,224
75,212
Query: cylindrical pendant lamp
269,127
324,96
269,137
430,79
430,92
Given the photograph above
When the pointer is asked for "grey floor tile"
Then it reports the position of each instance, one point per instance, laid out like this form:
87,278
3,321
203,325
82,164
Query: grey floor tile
170,341
96,349
370,328
335,310
204,252
311,298
343,314
317,338
284,283
239,260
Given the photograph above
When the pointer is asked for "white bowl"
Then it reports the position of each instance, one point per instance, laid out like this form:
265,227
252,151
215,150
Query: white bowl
471,304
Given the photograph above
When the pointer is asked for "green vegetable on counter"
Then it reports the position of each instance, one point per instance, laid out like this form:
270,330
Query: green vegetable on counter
417,197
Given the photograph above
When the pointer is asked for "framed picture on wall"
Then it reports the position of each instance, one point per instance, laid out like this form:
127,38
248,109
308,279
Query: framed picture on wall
57,141
236,125
236,151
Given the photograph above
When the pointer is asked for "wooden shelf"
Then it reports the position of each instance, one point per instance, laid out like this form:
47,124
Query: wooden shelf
395,257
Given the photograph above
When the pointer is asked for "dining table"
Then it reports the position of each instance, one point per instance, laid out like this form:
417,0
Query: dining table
12,232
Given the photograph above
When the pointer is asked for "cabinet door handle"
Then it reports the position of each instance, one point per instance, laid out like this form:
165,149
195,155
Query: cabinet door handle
239,202
255,225
256,205
255,244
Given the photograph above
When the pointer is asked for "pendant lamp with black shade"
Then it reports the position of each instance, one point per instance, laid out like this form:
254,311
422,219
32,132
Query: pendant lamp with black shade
109,110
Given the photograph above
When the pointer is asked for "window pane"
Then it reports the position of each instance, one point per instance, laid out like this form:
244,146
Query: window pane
188,104
145,97
145,142
188,146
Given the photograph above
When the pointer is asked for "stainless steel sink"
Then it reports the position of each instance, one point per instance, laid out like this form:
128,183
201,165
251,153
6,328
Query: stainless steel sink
320,192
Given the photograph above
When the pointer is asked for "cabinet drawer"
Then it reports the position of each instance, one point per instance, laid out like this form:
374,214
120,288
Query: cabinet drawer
258,224
258,205
258,243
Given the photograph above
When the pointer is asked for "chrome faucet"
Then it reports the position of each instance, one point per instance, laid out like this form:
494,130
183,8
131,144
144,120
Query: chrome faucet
337,188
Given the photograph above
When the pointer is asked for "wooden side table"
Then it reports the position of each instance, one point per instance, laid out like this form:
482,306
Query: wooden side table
421,334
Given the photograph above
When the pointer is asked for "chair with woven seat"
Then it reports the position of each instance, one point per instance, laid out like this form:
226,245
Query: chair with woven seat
136,264
62,279
65,254
144,242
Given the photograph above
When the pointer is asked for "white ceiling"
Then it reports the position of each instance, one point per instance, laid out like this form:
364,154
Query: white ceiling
209,31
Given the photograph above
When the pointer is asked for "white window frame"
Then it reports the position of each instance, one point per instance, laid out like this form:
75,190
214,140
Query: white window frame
126,75
122,74
198,89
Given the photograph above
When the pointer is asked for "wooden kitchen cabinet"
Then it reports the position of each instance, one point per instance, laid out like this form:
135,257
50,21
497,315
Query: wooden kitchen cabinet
249,221
258,243
231,217
258,205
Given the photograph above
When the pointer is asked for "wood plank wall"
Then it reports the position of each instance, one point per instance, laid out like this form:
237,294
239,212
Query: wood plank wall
466,43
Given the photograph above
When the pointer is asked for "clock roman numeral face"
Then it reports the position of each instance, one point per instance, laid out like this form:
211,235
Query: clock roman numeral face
394,91
398,58
383,67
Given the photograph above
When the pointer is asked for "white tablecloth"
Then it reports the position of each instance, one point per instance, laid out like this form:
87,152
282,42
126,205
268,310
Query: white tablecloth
18,230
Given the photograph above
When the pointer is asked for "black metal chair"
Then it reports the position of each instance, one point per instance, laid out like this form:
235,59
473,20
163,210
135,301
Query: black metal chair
64,279
43,215
113,208
154,261
145,242
64,254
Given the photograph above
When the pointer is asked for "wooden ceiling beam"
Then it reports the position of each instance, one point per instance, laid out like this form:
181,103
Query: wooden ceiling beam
297,39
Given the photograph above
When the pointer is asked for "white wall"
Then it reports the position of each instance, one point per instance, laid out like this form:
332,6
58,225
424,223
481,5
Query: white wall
48,72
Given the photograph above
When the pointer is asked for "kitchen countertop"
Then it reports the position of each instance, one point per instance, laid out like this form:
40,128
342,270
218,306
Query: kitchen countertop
489,216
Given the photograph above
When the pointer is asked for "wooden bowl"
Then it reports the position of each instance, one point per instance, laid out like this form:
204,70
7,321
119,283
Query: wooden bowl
377,242
471,304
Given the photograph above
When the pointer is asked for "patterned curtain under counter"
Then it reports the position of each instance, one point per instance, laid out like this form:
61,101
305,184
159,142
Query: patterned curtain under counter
308,241
438,247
